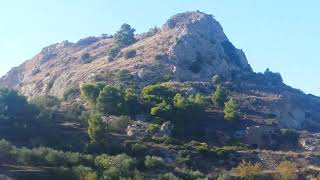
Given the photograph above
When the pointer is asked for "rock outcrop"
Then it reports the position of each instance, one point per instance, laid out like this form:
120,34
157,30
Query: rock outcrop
190,46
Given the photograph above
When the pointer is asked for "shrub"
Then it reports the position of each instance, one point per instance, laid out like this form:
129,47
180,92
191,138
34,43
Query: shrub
15,109
153,162
90,92
122,163
85,173
153,128
231,110
168,176
110,101
119,124
156,94
249,171
194,174
85,58
183,158
97,129
224,177
113,52
75,113
71,93
287,170
139,149
5,148
125,36
161,110
219,96
130,53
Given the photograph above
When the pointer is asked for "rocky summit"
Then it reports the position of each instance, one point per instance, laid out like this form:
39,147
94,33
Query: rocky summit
190,47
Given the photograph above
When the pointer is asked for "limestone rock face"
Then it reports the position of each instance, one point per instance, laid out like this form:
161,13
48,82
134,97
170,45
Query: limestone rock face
190,46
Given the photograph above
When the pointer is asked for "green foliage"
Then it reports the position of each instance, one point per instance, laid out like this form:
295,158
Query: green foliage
117,165
161,110
47,105
90,92
289,135
231,110
125,36
15,110
219,96
97,129
224,177
49,157
77,113
138,149
85,173
156,94
71,93
119,124
131,103
154,162
153,128
130,53
183,158
168,176
113,52
187,111
85,58
110,101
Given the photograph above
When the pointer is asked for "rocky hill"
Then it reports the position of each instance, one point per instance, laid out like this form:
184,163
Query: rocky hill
187,51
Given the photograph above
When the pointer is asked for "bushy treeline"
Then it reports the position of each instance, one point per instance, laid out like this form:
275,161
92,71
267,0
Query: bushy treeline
162,103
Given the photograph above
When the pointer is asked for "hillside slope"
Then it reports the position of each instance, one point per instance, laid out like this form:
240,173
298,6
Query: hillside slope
189,47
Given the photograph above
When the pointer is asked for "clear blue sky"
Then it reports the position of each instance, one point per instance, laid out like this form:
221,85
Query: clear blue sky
282,35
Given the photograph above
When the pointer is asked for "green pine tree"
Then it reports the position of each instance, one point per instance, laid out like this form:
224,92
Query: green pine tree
219,96
231,110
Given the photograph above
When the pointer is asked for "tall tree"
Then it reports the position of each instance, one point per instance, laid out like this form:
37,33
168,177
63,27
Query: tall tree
231,110
97,128
125,36
219,96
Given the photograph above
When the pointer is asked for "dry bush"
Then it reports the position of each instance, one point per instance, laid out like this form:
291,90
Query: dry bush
250,171
287,170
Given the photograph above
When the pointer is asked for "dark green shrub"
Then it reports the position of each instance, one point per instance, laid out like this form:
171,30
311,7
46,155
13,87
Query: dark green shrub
122,163
90,92
219,96
85,173
154,162
125,36
119,124
85,58
139,149
231,110
168,176
113,52
153,128
130,53
71,93
97,129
